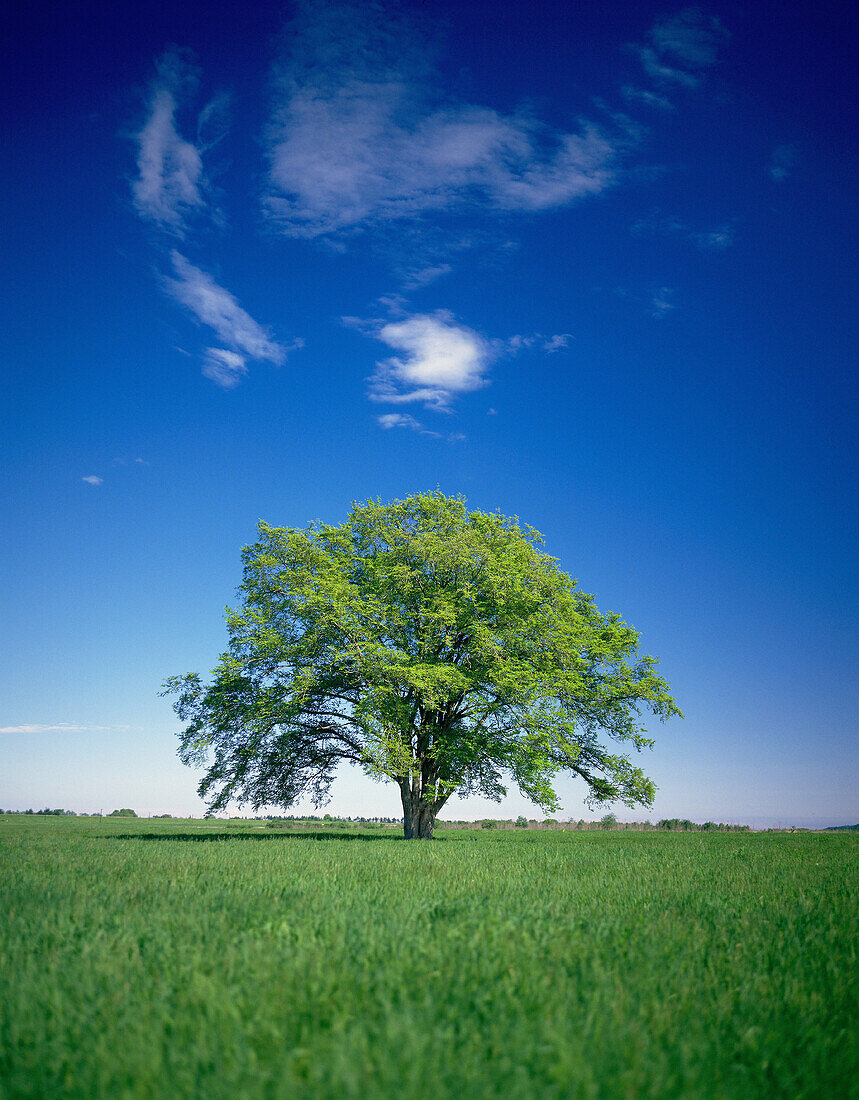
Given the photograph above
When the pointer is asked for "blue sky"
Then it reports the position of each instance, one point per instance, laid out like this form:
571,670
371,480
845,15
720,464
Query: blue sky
595,268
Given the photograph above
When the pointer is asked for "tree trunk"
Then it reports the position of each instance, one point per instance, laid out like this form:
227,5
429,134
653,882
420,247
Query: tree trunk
418,815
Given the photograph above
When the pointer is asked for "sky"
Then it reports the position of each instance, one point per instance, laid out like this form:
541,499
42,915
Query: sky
590,265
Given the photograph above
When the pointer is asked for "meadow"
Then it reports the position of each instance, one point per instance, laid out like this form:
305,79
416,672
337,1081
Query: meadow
178,959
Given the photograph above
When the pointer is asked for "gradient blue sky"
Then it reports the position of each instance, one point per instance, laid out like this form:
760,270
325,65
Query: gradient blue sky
592,265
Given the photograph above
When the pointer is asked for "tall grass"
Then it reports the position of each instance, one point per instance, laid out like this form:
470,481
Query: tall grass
175,959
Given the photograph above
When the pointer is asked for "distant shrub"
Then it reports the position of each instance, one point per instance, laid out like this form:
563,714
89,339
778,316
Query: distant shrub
521,822
487,824
608,821
122,813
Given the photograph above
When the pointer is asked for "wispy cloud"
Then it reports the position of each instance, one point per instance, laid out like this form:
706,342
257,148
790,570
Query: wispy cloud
363,134
708,240
171,184
403,420
215,307
225,368
651,99
61,727
438,359
662,302
679,48
423,276
93,479
549,344
691,37
782,161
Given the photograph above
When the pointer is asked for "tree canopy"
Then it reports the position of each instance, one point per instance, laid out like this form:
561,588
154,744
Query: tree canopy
432,646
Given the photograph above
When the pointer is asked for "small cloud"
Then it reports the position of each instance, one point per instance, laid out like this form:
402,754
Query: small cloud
492,412
170,184
681,47
61,727
215,307
438,360
710,240
662,73
93,480
426,275
716,240
456,437
224,368
692,38
662,302
141,461
651,99
403,420
782,161
517,343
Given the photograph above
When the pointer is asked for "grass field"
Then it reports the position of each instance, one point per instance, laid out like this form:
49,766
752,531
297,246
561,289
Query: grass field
221,960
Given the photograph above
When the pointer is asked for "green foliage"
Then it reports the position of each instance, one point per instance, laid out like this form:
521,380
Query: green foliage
432,646
608,821
521,822
216,960
488,823
43,813
676,824
122,813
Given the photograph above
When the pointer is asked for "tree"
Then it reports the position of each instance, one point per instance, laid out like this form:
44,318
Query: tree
434,647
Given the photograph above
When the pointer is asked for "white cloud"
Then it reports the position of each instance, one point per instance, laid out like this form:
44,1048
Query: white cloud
681,47
425,275
438,359
662,73
225,368
361,135
782,161
692,38
662,302
517,343
62,727
708,240
402,420
556,342
171,183
715,240
216,307
652,99
93,480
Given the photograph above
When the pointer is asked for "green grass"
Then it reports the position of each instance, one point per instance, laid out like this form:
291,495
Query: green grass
149,960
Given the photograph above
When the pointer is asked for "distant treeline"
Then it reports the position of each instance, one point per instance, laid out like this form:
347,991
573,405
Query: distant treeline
328,819
49,813
125,812
609,821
